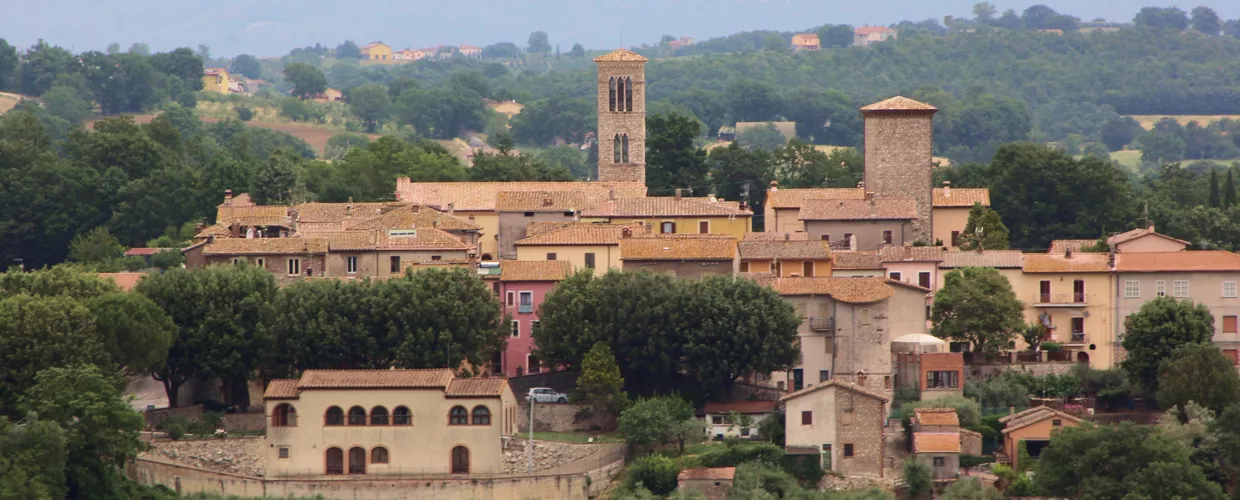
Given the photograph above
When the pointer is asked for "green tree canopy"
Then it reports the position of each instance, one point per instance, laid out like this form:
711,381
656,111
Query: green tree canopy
134,331
538,43
1153,333
600,384
984,230
977,305
37,333
32,459
1199,373
672,159
370,104
307,80
246,65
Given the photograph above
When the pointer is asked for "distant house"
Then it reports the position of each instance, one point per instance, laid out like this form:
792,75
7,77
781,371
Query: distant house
377,51
215,80
329,95
787,129
840,425
684,41
473,51
411,55
940,451
866,35
805,41
718,418
714,483
1034,427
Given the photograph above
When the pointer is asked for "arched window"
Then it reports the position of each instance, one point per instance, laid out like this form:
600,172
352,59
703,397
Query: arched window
619,94
628,94
482,415
335,416
460,460
379,455
615,149
357,416
335,461
378,416
401,416
357,460
458,416
284,416
613,93
624,141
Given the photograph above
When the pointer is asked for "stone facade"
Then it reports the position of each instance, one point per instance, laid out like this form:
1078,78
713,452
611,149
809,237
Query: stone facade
898,154
613,123
865,428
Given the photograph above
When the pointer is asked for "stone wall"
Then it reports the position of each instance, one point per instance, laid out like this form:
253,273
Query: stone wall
632,123
898,158
551,417
859,422
250,421
190,480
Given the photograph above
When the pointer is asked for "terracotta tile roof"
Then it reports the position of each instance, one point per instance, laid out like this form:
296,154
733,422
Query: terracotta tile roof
547,201
534,270
265,246
848,290
911,254
143,251
580,234
964,432
1189,260
878,209
282,388
368,379
481,196
1030,417
1059,263
665,207
266,215
837,384
476,387
1061,246
796,236
412,216
337,212
937,416
743,407
621,55
936,442
1002,259
126,281
427,238
807,250
677,248
856,260
343,240
213,230
795,198
214,71
1023,413
1133,234
870,30
305,228
960,197
707,474
897,103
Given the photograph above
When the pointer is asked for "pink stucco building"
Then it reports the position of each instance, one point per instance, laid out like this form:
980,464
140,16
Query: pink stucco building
522,287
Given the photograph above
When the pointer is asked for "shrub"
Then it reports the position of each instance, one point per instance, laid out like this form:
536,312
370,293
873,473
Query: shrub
967,410
806,469
175,430
1051,347
244,113
656,473
974,460
734,454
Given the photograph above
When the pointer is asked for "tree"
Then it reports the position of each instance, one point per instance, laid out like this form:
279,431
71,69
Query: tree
970,488
984,230
1225,431
1229,190
348,50
505,166
1206,20
340,144
1199,373
246,65
183,64
438,319
538,43
276,178
97,245
37,333
672,158
502,50
1215,200
134,331
577,51
32,459
824,116
543,121
656,473
370,104
101,428
977,305
753,101
568,157
1160,147
918,480
307,80
67,103
1119,132
42,64
1153,333
761,137
8,65
984,12
656,420
836,36
800,165
968,411
1119,461
441,112
600,384
325,325
219,312
1158,17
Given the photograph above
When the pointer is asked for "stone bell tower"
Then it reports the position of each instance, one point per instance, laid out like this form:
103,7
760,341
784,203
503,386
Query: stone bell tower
899,151
621,117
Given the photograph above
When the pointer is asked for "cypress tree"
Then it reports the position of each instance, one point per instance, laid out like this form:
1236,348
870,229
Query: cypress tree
1214,198
1229,191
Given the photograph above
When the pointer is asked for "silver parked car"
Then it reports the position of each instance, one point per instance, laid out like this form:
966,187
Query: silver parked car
547,395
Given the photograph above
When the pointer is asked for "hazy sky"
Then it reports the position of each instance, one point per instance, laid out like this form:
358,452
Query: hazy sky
272,27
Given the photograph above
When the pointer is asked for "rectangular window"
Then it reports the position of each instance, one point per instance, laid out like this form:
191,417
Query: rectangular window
1181,288
262,263
807,418
848,450
824,375
744,267
886,381
1057,423
394,262
1078,291
551,256
744,432
826,238
779,268
510,299
350,264
895,276
534,326
283,452
516,328
527,302
865,315
923,279
294,267
237,262
497,362
940,461
1160,288
1229,324
589,261
1044,291
943,379
703,227
1229,289
716,419
848,238
535,365
808,269
886,237
436,257
1078,325
667,227
1132,289
955,238
798,379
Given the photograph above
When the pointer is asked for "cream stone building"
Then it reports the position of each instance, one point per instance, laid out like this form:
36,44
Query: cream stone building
387,422
585,245
899,154
841,423
621,117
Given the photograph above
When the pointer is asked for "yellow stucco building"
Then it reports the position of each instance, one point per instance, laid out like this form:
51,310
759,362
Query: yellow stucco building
585,245
376,51
215,80
1071,295
951,212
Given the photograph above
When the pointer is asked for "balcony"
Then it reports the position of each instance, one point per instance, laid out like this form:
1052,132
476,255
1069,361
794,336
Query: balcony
822,324
1060,300
525,308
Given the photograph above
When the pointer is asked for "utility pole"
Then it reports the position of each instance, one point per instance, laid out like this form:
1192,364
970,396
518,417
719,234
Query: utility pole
529,449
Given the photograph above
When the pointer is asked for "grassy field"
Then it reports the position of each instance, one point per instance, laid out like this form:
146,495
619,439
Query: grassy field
1148,121
8,101
1131,159
574,437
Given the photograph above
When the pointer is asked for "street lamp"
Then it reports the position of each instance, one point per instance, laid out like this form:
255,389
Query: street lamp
529,448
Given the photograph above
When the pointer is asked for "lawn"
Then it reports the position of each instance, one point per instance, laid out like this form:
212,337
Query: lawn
1147,121
574,437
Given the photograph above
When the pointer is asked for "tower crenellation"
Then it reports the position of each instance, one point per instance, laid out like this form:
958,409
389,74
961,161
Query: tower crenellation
621,117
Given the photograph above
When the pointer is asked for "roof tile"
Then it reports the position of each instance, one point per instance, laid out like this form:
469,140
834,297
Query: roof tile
837,384
337,212
678,248
960,197
847,290
476,387
265,246
805,250
936,442
367,379
581,234
1058,263
1133,234
621,55
266,215
795,198
911,254
898,103
412,216
665,207
856,260
283,388
1190,260
534,270
771,236
937,416
547,201
481,196
1002,259
877,209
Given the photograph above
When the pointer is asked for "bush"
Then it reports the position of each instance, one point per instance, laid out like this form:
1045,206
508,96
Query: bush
974,460
806,469
754,479
967,410
733,454
656,473
244,113
175,429
1051,346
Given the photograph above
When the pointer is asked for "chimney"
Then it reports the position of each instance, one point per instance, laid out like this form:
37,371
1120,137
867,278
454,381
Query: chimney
1068,253
200,225
576,215
744,205
547,201
678,193
869,196
611,194
626,232
1151,226
1011,410
471,218
712,198
415,208
787,237
852,243
228,197
774,185
348,209
947,189
234,230
451,208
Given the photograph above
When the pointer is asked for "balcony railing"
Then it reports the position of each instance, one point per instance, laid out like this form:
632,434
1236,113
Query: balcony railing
1060,299
525,308
1078,338
822,324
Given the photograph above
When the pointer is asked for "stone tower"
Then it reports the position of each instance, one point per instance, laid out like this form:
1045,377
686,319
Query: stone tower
899,149
621,117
